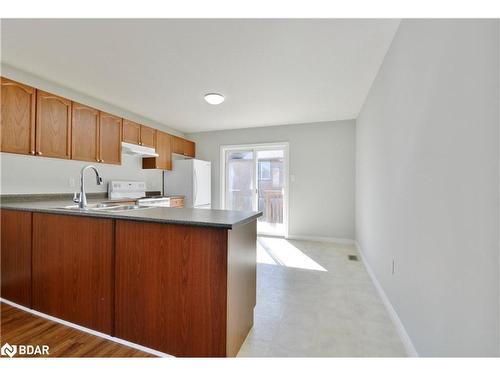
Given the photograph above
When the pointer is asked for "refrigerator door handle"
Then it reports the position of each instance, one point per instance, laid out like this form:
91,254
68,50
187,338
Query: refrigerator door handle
195,195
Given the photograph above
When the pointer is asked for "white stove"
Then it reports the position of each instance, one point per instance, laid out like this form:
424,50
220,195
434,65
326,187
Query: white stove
135,190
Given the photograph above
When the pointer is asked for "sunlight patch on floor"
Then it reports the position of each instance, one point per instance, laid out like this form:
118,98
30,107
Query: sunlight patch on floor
280,252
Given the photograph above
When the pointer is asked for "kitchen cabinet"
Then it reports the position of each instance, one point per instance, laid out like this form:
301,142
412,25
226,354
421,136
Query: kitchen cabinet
163,149
183,289
17,122
171,279
138,134
85,133
148,136
190,148
73,269
35,122
183,146
53,125
110,136
16,256
177,145
131,132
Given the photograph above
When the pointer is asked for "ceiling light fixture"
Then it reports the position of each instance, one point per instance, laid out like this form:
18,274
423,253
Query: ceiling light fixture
214,98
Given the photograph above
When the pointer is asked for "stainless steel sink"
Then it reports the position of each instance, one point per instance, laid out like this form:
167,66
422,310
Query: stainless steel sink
94,206
124,208
105,207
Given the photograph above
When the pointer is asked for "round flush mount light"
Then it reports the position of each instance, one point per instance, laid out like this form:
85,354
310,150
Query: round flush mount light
214,98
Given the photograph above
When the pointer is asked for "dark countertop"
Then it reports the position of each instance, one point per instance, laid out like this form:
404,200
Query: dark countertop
187,216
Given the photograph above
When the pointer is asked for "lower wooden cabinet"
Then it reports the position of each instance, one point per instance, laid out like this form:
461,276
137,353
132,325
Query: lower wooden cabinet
16,256
188,291
171,287
73,269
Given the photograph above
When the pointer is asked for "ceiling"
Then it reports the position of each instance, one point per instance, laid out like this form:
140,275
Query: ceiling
272,72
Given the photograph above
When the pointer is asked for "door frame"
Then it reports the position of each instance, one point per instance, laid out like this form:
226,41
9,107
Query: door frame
286,169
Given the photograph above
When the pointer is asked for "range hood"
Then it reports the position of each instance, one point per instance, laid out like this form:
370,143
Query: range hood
142,151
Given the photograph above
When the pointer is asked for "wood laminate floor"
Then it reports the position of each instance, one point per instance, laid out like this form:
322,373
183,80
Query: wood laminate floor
19,327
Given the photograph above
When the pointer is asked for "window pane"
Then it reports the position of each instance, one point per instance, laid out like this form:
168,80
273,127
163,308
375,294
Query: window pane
239,180
270,188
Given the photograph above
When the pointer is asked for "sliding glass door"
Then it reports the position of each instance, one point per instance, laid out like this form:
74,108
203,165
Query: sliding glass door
240,180
255,178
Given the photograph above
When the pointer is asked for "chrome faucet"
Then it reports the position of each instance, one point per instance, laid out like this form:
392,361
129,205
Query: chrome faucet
81,199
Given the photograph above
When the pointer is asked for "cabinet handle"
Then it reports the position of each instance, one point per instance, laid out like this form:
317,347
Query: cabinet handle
32,152
39,153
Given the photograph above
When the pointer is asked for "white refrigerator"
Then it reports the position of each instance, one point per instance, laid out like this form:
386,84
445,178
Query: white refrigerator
191,178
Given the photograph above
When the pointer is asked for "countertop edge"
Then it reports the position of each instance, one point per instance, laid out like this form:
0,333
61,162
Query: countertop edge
115,216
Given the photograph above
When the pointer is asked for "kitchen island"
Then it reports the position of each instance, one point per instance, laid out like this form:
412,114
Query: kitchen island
179,281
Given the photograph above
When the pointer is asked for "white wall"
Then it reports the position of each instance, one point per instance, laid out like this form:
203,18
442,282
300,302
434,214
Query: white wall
427,179
23,174
29,175
322,162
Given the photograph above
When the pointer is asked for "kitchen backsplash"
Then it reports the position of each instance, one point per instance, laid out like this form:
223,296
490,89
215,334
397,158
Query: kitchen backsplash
21,174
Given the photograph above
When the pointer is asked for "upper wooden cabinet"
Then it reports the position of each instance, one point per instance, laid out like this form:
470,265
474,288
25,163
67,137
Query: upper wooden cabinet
148,136
85,133
110,136
17,122
138,134
131,132
163,149
35,122
184,147
53,125
189,148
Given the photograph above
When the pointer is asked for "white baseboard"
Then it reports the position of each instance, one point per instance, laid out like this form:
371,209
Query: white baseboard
87,330
405,338
346,241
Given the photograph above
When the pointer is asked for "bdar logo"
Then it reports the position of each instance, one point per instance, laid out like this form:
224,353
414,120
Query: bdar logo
9,350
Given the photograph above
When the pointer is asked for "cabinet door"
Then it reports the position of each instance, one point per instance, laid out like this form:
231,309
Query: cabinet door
171,287
16,256
189,148
148,136
110,136
73,269
17,122
84,133
131,132
163,148
53,125
177,145
182,146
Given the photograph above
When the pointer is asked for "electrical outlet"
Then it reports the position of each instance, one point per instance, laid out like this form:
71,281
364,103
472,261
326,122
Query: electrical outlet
71,182
393,266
